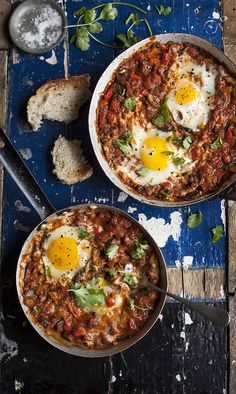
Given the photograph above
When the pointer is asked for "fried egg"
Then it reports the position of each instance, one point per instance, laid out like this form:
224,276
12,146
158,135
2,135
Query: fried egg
151,158
64,253
191,95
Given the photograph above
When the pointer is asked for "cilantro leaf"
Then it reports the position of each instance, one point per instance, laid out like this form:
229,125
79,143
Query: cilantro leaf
140,246
163,10
175,139
133,306
218,232
187,142
84,234
133,17
108,13
85,297
164,192
112,271
95,27
80,11
168,153
158,121
164,111
143,171
194,220
217,143
130,103
47,271
128,40
111,251
131,303
82,38
130,279
123,143
178,161
90,16
37,309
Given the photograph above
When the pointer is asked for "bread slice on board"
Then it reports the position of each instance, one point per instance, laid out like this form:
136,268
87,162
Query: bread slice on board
59,100
70,165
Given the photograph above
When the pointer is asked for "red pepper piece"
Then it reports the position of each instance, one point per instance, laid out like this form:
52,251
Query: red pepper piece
110,302
108,94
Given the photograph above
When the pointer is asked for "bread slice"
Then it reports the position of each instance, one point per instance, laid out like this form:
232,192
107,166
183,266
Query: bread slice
59,100
70,165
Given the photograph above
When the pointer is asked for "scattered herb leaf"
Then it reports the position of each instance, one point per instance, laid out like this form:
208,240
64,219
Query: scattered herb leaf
158,121
133,17
84,234
194,220
108,13
95,28
140,246
163,10
168,153
218,232
187,142
178,161
133,306
82,38
37,309
112,271
86,297
217,143
130,279
47,271
123,142
143,172
130,103
111,251
164,192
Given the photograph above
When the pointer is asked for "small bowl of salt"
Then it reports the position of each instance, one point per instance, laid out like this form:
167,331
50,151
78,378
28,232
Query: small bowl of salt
37,26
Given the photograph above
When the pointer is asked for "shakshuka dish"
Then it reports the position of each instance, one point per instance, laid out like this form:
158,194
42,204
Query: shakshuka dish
81,278
166,122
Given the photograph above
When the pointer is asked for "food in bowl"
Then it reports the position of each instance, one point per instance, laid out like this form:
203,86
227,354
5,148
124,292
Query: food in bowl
81,278
166,122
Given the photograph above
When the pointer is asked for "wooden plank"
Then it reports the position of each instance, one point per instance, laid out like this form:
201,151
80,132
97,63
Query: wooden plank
204,283
229,40
4,17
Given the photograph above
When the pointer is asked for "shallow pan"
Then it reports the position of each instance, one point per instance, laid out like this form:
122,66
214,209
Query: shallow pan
25,180
226,190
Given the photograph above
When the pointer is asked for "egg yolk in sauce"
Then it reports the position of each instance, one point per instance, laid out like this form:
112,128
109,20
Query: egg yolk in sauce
186,94
63,253
151,153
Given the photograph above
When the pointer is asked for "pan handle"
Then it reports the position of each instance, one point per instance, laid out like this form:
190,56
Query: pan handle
229,193
15,166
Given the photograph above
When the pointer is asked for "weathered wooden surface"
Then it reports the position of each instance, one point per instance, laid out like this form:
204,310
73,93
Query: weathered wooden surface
5,8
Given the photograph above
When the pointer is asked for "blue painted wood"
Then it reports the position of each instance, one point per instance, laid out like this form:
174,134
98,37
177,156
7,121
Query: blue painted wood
30,72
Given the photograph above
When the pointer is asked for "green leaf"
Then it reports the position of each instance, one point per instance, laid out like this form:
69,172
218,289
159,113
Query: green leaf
194,220
84,234
187,142
163,10
168,153
175,139
130,279
133,306
90,16
80,11
140,246
112,271
47,271
218,232
217,143
130,103
143,172
164,192
164,111
73,38
37,309
108,13
178,161
86,298
95,27
111,251
82,41
158,121
123,143
133,17
128,41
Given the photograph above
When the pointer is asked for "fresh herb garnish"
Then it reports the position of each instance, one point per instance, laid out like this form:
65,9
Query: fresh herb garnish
163,10
47,271
133,17
130,103
143,172
112,271
178,161
123,142
174,139
164,192
111,251
163,117
217,143
194,220
168,153
218,232
130,279
86,297
85,234
158,121
81,38
133,306
187,142
37,309
140,246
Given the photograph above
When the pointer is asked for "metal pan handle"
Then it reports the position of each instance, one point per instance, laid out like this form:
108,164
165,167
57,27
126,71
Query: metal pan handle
229,193
15,166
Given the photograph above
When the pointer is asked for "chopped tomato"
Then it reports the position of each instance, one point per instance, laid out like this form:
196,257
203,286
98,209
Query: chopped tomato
81,331
110,302
135,77
108,94
67,326
165,185
230,135
115,105
102,118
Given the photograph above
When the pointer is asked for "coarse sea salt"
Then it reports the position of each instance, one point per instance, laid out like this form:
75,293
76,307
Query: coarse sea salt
44,29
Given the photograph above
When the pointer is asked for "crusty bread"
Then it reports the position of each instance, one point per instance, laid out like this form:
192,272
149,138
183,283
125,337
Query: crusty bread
70,165
59,99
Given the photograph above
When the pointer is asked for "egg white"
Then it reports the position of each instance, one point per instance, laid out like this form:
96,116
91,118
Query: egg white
131,165
83,247
194,114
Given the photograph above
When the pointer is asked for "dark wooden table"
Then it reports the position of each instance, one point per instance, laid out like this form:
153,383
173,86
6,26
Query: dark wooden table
183,353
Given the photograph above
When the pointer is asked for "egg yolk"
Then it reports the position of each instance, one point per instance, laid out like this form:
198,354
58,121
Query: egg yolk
151,153
63,253
185,94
